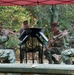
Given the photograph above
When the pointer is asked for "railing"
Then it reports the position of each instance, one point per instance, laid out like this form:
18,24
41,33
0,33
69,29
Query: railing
32,69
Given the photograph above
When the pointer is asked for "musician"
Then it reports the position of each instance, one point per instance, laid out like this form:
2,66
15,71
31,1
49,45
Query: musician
28,45
67,54
71,35
58,41
6,55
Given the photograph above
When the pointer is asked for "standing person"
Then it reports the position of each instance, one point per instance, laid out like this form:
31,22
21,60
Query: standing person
25,26
37,48
6,55
67,54
58,41
22,47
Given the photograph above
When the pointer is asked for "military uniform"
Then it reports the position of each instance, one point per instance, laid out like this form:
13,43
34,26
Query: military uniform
60,43
57,47
68,53
6,55
71,38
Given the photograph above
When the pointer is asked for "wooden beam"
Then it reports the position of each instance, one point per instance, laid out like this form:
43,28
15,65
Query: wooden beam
37,68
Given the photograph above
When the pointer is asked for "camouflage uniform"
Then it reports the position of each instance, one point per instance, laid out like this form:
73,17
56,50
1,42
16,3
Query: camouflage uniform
6,55
71,38
67,54
57,48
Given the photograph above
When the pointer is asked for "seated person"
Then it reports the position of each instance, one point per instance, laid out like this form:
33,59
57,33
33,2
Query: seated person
69,53
6,55
58,42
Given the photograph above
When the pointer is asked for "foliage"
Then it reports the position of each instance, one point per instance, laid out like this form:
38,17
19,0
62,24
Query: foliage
13,16
12,43
66,16
38,16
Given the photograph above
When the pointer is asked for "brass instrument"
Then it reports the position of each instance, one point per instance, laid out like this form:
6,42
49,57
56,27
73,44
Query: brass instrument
8,31
61,35
32,43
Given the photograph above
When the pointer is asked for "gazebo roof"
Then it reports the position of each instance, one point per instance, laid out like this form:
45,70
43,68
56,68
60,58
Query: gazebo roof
34,2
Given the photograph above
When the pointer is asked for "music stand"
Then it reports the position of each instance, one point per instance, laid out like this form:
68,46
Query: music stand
32,32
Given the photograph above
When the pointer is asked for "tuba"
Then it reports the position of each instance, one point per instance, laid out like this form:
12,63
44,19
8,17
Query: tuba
31,43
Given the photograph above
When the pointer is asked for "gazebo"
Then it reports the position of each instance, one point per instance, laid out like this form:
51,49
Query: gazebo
52,69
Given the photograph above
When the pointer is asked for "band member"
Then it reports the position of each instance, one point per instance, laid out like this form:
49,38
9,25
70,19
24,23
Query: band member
58,41
67,54
6,55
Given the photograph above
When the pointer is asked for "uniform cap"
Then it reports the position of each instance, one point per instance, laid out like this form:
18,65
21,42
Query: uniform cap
55,24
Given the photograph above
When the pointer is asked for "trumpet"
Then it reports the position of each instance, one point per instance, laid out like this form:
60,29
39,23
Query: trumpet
8,32
62,34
